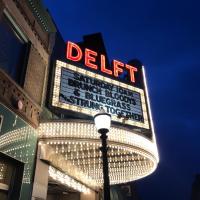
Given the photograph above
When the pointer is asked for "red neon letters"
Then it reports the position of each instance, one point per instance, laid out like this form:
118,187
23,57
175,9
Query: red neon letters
117,66
132,71
90,56
74,53
70,47
103,66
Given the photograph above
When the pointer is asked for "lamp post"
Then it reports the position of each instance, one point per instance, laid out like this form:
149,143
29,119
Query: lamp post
102,122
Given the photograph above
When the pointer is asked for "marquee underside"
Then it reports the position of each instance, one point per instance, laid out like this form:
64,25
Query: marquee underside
73,147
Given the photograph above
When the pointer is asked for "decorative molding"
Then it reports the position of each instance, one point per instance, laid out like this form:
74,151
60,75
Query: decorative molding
11,94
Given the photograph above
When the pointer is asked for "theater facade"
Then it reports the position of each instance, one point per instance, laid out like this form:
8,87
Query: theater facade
50,91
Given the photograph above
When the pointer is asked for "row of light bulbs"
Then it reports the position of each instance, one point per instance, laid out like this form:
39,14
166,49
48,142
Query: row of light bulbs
88,131
67,180
3,171
16,143
15,136
124,164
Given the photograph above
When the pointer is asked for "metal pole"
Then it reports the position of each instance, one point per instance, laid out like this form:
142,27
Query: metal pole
104,150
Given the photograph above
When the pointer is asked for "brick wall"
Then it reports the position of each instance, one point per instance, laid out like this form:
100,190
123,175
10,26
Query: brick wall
35,76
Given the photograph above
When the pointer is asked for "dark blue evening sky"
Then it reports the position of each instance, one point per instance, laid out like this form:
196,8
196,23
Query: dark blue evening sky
165,36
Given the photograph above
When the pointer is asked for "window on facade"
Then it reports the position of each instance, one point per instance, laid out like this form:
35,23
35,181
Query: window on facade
13,50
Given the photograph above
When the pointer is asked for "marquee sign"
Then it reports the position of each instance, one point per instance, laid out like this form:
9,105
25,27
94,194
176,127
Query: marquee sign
85,92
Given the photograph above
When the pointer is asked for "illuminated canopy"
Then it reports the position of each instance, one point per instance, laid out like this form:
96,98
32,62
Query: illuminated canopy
131,156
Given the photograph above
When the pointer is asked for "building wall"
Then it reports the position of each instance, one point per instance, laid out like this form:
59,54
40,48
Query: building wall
38,60
35,76
196,188
21,104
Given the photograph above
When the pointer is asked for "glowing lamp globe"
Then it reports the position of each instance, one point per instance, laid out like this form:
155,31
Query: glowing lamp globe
102,121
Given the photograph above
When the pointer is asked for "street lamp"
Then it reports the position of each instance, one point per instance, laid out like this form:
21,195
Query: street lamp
102,122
